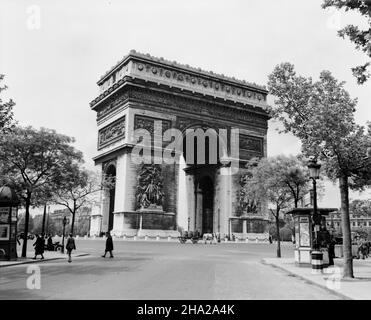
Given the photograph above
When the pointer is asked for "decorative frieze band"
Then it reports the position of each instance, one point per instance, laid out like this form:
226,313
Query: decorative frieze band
111,133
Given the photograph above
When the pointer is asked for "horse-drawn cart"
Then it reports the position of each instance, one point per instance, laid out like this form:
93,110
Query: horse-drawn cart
192,236
195,236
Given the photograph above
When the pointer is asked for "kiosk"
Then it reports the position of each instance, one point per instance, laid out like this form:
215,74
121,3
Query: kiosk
305,232
8,223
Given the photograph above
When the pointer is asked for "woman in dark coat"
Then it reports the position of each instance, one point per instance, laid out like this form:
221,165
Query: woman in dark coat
109,246
39,247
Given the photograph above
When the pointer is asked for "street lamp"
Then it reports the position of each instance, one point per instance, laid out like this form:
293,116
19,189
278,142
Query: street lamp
314,168
64,226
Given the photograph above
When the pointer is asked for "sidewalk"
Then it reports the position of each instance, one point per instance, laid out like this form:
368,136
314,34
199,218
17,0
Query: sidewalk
358,288
48,255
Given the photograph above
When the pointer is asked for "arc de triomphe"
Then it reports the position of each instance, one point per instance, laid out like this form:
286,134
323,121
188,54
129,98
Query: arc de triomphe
141,91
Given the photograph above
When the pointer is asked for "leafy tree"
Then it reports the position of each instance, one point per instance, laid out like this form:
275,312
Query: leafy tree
43,196
21,223
295,175
82,228
244,204
321,115
6,111
37,224
360,207
265,181
79,189
361,38
52,227
33,159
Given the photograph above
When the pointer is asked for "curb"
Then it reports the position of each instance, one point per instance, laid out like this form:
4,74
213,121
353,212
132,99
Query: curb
29,262
38,261
341,295
176,240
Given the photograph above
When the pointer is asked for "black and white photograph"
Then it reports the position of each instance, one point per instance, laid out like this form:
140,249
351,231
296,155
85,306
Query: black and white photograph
168,151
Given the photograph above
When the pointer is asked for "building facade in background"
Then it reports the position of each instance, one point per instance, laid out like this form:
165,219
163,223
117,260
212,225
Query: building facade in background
357,222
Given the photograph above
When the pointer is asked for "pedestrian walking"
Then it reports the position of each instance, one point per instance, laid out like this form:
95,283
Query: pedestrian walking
270,239
50,245
39,247
331,251
70,246
109,245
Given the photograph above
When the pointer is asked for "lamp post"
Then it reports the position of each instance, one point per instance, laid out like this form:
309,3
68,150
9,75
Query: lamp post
64,226
314,168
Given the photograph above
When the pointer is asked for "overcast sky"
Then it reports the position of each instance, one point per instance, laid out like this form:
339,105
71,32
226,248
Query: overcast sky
52,63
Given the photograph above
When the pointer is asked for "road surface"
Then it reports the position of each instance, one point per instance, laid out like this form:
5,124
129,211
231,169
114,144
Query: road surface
161,271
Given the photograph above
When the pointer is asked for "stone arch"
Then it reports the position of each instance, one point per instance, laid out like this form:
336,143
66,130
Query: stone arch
109,195
205,188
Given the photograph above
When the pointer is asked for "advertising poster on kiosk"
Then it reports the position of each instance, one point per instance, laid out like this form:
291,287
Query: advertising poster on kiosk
304,232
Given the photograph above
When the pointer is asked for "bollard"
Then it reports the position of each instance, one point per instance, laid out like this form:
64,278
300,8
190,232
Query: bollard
247,240
317,262
157,238
256,240
124,237
168,238
145,238
135,238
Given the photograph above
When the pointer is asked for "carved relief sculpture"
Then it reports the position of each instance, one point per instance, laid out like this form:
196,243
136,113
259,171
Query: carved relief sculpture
250,143
149,188
112,132
148,123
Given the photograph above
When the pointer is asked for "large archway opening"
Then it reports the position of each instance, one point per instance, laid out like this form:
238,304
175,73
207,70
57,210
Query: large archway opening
111,175
206,188
196,197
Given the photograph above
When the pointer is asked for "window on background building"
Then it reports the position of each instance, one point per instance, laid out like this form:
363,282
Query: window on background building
369,223
353,224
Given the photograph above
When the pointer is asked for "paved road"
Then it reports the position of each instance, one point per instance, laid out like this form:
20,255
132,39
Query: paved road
166,270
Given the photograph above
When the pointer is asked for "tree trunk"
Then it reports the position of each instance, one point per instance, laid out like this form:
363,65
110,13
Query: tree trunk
26,222
278,236
345,220
44,217
73,220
